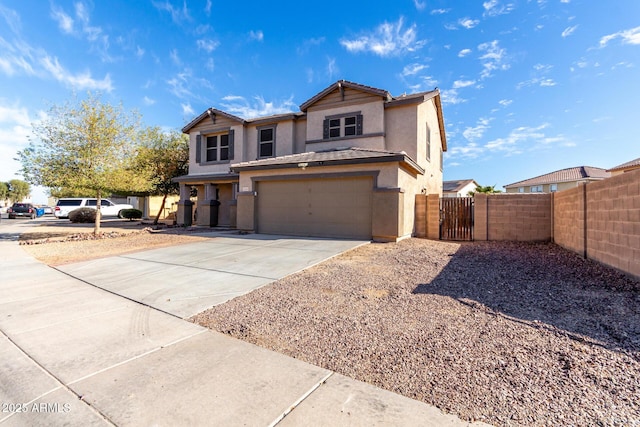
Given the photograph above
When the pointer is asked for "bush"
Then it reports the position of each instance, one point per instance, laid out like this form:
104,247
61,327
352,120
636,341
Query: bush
131,214
83,215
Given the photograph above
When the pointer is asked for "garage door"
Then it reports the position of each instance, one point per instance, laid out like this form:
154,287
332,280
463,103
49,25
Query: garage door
338,207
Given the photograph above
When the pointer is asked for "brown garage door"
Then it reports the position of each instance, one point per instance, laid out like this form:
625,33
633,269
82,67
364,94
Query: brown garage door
338,207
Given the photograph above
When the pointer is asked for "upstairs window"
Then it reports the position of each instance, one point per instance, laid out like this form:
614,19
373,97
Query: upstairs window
216,147
536,189
342,126
553,188
266,142
428,144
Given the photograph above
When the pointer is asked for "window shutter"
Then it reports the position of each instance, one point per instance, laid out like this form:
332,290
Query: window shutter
231,145
325,129
359,124
198,148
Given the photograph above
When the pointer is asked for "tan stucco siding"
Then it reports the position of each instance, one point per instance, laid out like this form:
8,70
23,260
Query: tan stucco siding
300,134
372,121
411,185
222,167
402,130
387,173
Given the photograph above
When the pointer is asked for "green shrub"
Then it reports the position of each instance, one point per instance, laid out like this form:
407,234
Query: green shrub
131,214
83,215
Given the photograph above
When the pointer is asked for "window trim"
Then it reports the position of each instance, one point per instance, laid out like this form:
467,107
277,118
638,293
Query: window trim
428,137
259,129
201,146
327,127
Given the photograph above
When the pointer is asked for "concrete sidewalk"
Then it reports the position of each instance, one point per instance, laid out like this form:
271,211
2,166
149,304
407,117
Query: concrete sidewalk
73,354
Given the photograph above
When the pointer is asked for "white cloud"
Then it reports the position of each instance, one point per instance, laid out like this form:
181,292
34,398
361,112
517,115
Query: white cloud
413,69
631,36
505,102
81,81
15,58
256,35
65,22
207,8
451,97
178,16
495,8
332,68
15,128
463,83
464,52
440,11
388,39
468,23
308,44
477,132
175,57
148,101
139,52
204,44
569,30
210,64
187,110
239,106
420,5
12,18
493,58
179,85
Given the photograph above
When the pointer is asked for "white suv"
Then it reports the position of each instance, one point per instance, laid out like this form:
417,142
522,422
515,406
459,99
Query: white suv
107,207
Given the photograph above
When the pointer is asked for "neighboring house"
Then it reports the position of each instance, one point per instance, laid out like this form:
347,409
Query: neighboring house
458,188
349,164
150,205
625,167
558,180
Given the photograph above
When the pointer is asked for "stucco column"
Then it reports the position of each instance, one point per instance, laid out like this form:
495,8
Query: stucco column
185,208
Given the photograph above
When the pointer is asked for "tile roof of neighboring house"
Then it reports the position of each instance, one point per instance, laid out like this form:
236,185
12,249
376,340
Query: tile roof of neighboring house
329,157
455,186
565,175
633,164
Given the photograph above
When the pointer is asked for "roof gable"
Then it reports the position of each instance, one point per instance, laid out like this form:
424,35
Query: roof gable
340,86
211,114
455,186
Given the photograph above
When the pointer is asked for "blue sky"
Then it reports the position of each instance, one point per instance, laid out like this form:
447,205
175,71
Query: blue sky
528,86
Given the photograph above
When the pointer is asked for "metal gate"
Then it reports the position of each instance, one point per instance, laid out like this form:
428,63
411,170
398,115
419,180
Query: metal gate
456,218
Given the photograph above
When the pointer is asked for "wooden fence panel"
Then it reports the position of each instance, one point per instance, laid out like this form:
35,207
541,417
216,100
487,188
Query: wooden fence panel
456,218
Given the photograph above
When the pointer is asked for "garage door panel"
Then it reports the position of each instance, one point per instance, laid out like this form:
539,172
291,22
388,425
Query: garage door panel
321,207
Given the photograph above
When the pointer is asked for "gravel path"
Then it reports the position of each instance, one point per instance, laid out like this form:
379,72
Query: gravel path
506,333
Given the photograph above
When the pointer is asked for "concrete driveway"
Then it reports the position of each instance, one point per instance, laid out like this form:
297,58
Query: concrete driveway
187,279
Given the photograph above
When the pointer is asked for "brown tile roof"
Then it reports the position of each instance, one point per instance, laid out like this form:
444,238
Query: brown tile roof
329,157
633,164
455,186
565,175
209,112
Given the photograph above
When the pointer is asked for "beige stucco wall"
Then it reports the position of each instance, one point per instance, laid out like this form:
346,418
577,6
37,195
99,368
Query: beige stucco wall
373,122
387,177
546,187
212,168
285,133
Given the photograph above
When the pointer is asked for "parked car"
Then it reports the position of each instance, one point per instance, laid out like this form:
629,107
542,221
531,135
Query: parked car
107,207
24,210
48,210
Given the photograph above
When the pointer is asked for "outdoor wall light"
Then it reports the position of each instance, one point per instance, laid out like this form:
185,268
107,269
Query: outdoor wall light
303,166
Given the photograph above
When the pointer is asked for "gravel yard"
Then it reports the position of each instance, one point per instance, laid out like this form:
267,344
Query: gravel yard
506,333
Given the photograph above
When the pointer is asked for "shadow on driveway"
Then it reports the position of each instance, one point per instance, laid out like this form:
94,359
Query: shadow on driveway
545,286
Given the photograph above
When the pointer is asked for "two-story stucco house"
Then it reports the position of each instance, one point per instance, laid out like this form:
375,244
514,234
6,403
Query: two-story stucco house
349,164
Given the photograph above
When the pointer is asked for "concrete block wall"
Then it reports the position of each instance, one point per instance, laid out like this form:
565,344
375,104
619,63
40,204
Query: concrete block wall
613,221
421,215
568,219
521,217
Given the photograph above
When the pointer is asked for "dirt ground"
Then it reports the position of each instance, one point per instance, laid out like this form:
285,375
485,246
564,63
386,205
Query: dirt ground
56,244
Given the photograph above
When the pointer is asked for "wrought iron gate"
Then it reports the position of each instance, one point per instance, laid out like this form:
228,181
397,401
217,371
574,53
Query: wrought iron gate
456,218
